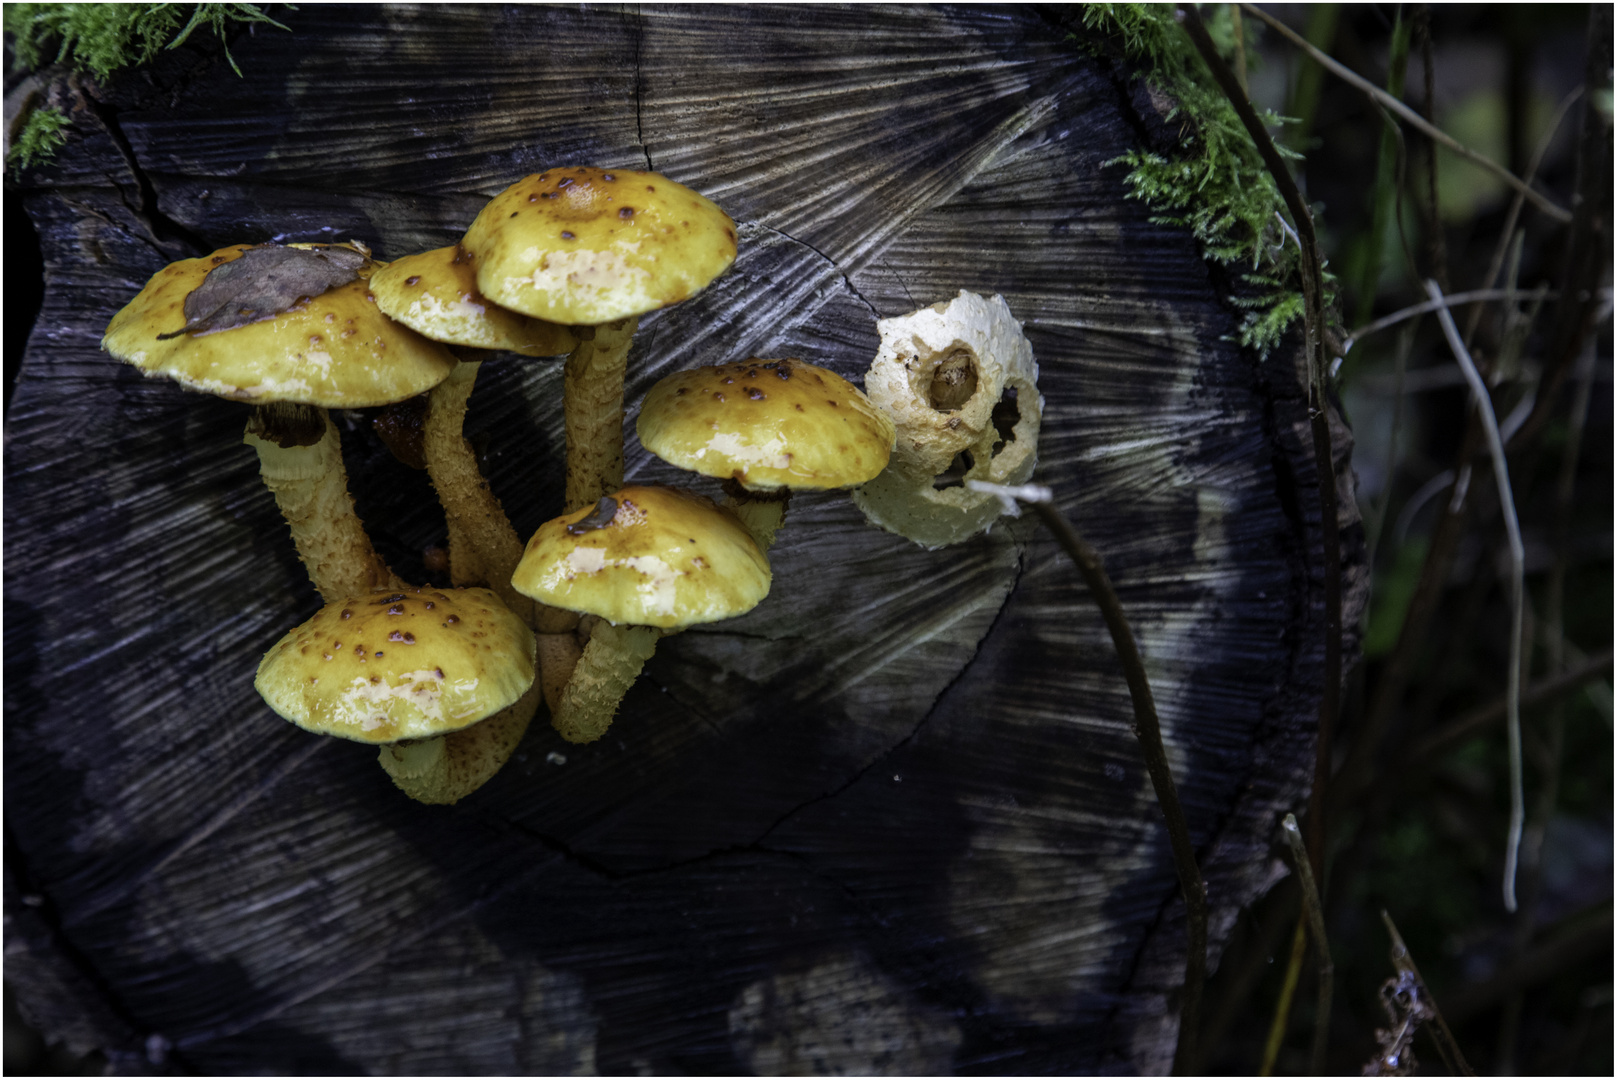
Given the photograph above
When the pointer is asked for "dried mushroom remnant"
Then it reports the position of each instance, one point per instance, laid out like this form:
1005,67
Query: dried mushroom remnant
435,294
442,680
766,427
959,381
647,561
294,331
597,248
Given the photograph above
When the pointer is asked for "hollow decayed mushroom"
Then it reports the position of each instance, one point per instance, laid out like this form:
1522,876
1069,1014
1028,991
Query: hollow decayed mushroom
435,294
597,248
646,560
442,680
766,427
294,360
941,374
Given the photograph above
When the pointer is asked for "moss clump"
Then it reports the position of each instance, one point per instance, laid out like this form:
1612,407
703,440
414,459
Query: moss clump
100,39
1216,185
41,137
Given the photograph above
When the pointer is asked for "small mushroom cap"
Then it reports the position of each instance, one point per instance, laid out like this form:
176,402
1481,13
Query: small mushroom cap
767,424
435,294
665,558
335,350
406,664
586,246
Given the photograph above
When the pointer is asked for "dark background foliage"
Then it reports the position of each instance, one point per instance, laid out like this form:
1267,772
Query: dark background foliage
1423,838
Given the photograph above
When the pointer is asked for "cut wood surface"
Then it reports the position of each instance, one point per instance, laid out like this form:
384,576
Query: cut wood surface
892,820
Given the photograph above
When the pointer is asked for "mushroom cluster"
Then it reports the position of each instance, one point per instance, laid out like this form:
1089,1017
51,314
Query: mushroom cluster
563,262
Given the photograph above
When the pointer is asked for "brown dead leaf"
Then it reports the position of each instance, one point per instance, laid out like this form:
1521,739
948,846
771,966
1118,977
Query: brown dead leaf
265,281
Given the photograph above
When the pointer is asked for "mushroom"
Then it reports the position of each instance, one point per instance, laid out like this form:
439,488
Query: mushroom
293,354
596,249
765,427
647,561
443,681
435,294
951,377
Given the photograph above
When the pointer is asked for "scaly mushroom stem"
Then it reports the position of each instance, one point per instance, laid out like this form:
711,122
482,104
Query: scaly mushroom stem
762,512
558,657
448,768
310,486
483,547
609,666
592,403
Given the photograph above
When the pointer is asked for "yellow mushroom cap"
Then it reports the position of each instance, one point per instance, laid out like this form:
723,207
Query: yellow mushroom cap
405,664
435,294
335,350
586,246
665,558
767,424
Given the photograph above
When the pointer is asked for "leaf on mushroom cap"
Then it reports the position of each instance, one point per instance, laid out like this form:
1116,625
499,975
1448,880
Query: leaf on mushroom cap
586,246
406,664
767,424
664,557
265,281
435,294
334,350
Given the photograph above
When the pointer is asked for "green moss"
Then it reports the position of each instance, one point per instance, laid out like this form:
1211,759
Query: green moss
1216,184
41,137
101,39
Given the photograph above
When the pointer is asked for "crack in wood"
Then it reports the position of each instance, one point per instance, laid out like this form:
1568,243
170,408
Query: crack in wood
846,280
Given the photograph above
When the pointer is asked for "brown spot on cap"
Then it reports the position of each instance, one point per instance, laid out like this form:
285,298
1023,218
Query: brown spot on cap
626,212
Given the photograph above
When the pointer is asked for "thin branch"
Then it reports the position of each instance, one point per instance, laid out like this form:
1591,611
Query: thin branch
1315,913
1310,268
1149,733
1410,116
1518,560
1372,540
1514,215
1311,271
1549,689
1240,45
1404,963
1288,990
1475,296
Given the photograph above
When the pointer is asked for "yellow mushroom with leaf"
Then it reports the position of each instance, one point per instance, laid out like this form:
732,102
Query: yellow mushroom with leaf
645,561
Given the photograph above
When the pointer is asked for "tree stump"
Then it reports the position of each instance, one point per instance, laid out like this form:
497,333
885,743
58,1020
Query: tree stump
893,820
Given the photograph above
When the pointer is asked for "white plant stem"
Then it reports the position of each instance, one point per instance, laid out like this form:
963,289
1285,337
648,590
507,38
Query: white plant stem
1518,559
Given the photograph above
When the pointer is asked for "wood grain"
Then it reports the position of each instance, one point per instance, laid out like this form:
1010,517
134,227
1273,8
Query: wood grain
892,820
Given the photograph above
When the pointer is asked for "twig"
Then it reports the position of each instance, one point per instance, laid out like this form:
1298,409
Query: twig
1405,964
1310,268
1315,914
1548,689
1410,116
1511,218
1475,296
1288,991
1388,195
1148,732
1437,251
1311,271
1240,45
1372,540
1518,559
